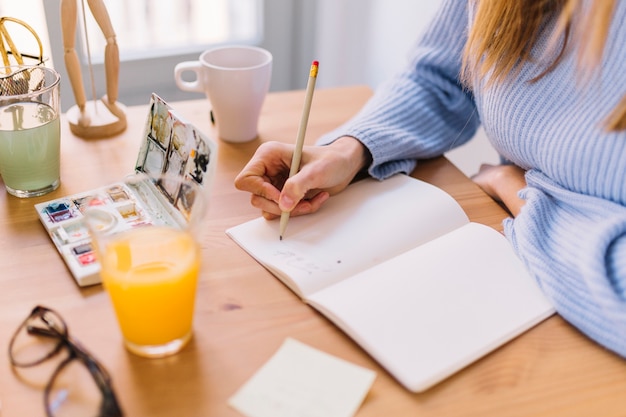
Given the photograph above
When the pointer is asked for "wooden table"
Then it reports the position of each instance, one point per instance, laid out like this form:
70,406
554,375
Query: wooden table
243,313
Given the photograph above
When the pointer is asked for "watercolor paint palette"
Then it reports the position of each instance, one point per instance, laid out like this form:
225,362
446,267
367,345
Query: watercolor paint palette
170,145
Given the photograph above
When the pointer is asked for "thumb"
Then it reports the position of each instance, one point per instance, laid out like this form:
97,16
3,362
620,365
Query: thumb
286,203
293,191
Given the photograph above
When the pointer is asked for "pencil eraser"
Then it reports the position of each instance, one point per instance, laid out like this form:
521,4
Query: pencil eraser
315,64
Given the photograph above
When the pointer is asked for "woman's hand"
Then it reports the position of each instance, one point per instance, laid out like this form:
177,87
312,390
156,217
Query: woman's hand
324,170
502,183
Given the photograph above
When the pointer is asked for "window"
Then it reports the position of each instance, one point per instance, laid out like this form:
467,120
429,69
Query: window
149,28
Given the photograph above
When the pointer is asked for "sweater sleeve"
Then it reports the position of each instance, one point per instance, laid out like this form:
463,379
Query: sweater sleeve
575,245
423,111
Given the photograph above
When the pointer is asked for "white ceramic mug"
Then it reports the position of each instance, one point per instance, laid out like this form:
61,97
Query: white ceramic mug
236,80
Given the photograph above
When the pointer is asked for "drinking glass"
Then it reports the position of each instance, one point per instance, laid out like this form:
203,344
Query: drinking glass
30,133
151,271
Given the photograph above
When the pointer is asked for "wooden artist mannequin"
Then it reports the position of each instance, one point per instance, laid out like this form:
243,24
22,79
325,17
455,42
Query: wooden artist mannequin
98,118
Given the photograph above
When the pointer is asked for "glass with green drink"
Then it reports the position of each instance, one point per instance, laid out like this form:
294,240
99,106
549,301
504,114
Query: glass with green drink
30,133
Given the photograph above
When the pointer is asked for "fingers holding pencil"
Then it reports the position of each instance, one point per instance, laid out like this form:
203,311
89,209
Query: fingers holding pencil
324,171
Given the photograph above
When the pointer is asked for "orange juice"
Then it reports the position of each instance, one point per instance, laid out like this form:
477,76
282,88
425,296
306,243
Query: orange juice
151,275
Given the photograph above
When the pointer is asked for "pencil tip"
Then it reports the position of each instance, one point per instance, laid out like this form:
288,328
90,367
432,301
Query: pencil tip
281,237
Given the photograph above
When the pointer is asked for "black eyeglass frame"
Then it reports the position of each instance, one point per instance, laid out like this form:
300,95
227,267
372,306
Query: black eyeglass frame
109,406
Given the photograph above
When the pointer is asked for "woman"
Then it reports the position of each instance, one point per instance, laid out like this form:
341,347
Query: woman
547,80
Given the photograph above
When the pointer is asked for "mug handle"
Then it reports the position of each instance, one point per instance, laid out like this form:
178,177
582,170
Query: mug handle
189,66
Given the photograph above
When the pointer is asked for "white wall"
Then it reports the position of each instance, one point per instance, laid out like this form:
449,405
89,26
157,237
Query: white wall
366,41
394,28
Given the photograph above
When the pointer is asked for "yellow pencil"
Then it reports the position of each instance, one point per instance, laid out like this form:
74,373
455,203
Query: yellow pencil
297,153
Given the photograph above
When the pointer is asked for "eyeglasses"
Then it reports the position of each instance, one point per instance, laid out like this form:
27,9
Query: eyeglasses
79,386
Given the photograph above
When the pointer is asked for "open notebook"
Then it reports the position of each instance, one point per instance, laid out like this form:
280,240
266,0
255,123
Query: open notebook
397,265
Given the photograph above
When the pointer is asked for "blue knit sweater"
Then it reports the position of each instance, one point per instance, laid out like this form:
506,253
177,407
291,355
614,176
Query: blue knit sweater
571,232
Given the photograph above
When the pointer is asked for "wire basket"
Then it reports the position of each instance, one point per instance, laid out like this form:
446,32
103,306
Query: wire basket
21,80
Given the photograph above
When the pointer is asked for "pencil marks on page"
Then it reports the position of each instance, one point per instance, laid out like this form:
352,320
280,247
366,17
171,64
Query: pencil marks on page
302,263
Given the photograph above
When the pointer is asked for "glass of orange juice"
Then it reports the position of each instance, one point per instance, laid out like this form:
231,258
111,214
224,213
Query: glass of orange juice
149,264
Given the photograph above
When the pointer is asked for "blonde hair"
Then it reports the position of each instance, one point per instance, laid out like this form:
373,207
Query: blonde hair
503,34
